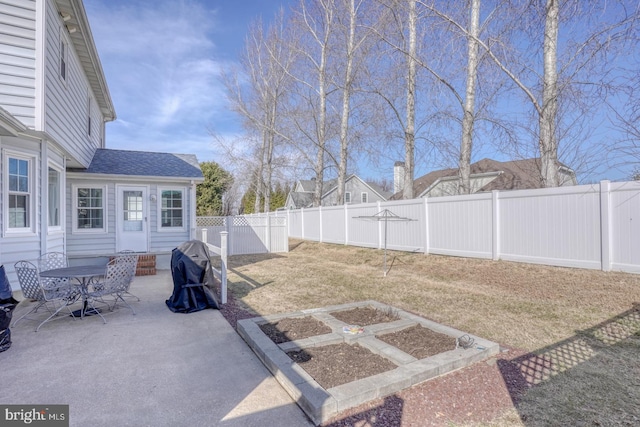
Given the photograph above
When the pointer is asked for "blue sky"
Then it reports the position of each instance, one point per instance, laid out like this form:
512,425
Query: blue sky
162,59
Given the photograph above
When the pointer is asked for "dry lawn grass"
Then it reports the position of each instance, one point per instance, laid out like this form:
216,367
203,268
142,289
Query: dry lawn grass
519,305
545,310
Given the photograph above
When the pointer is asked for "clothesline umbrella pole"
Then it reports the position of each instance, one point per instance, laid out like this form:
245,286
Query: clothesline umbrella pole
385,215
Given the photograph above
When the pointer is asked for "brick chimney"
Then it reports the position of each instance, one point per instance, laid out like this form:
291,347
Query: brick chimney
398,176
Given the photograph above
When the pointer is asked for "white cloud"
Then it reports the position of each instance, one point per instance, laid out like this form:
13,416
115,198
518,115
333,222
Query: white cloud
160,63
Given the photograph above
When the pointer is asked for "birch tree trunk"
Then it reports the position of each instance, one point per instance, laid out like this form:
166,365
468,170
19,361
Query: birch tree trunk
322,122
468,119
316,25
409,133
548,143
346,101
270,144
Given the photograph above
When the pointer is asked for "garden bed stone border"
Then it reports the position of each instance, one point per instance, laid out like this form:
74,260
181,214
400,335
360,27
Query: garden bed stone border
320,404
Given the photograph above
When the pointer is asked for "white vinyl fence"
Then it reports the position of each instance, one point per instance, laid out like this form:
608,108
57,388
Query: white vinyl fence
246,234
587,226
221,251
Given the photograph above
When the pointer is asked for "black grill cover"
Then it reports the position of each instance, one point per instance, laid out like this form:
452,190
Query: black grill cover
193,281
7,305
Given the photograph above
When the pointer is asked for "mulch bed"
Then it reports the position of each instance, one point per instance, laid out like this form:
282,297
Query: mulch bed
364,316
333,365
294,328
420,342
337,364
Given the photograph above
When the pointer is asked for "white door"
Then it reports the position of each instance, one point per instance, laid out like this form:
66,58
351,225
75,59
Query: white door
132,218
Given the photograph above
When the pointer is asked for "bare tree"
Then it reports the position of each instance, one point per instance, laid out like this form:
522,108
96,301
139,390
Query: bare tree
398,34
548,110
468,119
410,129
561,78
468,100
314,24
256,93
353,34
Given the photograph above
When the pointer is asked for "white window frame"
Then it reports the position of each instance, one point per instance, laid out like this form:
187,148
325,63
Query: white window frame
31,194
364,197
63,57
347,197
162,229
61,198
74,207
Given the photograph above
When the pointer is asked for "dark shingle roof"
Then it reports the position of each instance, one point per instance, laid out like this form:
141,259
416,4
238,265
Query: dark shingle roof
143,163
301,200
515,175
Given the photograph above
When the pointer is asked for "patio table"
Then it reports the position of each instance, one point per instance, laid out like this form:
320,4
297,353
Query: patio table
82,274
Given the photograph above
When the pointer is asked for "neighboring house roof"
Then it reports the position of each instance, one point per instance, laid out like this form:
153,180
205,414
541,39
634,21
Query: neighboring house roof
304,198
375,187
300,199
512,175
143,163
75,18
309,185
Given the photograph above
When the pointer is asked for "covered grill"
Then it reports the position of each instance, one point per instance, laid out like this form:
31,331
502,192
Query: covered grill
193,280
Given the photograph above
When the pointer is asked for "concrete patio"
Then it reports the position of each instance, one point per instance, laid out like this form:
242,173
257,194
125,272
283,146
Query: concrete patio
156,368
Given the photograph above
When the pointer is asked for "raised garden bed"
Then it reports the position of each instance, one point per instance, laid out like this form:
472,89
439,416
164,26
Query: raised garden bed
328,372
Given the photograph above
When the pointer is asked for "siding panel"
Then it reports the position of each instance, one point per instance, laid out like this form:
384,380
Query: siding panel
66,100
17,56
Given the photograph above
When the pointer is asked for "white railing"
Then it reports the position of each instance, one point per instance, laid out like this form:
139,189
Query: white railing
221,250
588,226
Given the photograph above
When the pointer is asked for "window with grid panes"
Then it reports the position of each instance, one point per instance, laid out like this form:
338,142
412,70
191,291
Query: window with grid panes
90,208
171,208
19,193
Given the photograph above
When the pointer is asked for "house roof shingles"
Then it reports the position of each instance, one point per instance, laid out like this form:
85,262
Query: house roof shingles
143,163
516,175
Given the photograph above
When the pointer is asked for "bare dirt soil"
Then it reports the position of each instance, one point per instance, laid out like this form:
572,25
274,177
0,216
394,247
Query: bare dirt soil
364,316
292,329
334,365
420,342
337,364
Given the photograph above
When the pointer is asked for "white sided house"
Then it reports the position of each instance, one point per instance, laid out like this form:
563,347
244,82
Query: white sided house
60,188
355,191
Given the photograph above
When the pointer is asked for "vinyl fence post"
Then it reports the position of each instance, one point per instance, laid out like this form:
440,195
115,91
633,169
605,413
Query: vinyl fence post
605,225
320,220
223,265
426,225
379,227
346,224
204,235
228,227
